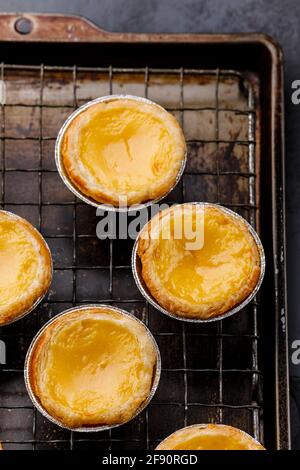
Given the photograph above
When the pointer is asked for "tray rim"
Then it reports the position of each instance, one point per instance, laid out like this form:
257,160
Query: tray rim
91,32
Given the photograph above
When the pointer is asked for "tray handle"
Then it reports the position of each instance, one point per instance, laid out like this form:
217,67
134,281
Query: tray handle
48,27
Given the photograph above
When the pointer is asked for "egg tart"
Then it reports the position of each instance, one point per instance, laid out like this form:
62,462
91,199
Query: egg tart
198,261
209,437
122,150
92,366
25,267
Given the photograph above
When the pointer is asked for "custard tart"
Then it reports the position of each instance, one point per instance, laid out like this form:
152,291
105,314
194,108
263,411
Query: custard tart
25,267
199,261
209,437
92,366
122,150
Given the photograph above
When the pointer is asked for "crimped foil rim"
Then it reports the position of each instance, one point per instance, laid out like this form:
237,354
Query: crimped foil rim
70,185
147,295
43,411
40,299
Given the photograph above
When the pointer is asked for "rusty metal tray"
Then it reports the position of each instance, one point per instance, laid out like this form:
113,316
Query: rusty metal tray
227,92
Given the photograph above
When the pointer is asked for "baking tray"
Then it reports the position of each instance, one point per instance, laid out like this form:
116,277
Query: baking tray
226,90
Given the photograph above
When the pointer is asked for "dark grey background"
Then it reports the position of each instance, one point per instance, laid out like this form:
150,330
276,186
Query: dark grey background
279,18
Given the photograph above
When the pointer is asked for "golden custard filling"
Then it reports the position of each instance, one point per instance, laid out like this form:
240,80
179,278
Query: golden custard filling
92,369
210,437
123,149
18,261
114,157
89,361
203,270
25,266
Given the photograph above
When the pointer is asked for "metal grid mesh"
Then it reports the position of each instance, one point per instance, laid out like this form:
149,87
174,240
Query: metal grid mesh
210,373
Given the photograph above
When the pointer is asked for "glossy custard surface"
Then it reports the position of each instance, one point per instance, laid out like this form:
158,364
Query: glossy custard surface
212,272
94,365
92,368
125,148
210,437
208,266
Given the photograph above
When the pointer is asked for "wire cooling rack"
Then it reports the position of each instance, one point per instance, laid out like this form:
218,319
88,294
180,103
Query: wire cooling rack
210,373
